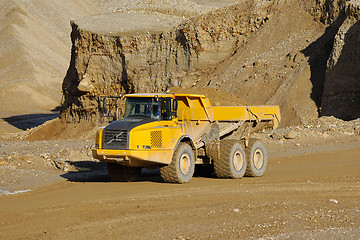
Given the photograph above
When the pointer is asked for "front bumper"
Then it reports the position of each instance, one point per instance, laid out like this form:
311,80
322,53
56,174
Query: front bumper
136,158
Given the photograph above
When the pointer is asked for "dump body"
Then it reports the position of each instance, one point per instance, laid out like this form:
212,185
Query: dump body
198,108
196,116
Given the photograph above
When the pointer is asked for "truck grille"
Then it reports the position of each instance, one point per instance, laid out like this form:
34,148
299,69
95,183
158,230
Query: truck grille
156,139
115,139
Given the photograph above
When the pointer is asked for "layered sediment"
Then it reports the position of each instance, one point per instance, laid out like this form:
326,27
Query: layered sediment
146,59
264,52
341,96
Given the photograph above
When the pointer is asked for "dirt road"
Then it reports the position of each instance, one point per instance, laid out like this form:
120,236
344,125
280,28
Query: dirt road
302,196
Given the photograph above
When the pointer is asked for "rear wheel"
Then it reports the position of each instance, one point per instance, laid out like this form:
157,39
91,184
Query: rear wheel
182,166
232,163
120,173
256,157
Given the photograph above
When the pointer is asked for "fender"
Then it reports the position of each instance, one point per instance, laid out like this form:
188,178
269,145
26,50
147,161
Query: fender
185,138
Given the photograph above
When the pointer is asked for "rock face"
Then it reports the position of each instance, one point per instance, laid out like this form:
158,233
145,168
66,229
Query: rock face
264,52
341,96
110,63
274,66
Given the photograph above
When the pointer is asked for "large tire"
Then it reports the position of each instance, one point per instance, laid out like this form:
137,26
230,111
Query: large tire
256,157
182,166
232,163
120,173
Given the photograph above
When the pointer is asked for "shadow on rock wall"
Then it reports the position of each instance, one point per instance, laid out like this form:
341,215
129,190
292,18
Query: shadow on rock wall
318,53
341,95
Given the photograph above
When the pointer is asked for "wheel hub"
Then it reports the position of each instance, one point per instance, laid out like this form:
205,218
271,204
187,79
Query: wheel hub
258,158
185,164
238,160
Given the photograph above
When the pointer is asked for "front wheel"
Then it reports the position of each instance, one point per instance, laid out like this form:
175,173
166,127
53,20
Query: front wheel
182,166
120,173
256,157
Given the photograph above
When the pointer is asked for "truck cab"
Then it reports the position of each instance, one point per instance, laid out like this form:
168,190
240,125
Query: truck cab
146,136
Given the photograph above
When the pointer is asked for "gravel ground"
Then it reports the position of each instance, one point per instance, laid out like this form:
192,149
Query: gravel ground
28,164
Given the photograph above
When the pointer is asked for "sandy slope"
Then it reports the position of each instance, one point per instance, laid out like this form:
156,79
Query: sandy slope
35,45
35,52
271,67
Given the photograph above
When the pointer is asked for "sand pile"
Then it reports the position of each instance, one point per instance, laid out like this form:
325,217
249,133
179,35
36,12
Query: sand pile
35,52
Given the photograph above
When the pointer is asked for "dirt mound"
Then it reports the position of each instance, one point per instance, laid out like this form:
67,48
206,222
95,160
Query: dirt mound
59,129
272,67
217,97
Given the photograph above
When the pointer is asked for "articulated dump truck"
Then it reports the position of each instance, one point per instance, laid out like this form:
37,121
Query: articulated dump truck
175,132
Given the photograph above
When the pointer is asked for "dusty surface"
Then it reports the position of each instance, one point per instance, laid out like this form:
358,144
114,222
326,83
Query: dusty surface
306,193
53,189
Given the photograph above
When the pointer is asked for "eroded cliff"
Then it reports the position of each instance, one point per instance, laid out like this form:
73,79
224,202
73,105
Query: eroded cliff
341,96
260,51
110,63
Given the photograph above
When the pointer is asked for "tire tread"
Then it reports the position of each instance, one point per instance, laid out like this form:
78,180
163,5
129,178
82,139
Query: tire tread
222,166
169,172
249,171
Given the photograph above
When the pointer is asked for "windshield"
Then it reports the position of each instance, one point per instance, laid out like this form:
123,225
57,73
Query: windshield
142,107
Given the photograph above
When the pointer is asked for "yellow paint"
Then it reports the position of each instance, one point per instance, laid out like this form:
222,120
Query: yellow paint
141,135
195,114
99,134
134,157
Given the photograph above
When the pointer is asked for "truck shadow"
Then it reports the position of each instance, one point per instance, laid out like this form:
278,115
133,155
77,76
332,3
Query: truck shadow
89,171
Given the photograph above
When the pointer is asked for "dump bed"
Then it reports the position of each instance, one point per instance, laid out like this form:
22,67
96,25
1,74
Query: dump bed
198,108
244,113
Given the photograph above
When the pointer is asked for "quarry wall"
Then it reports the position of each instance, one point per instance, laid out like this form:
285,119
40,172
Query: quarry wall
110,64
341,95
105,65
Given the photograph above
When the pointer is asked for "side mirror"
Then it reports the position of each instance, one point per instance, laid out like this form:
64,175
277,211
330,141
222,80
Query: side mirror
104,106
175,105
174,108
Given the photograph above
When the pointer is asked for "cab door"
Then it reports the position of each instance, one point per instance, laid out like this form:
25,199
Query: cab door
169,127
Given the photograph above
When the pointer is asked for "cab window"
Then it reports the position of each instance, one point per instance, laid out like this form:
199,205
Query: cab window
166,109
137,106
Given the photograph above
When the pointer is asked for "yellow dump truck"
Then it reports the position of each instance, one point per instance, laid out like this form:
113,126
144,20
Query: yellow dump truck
175,132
